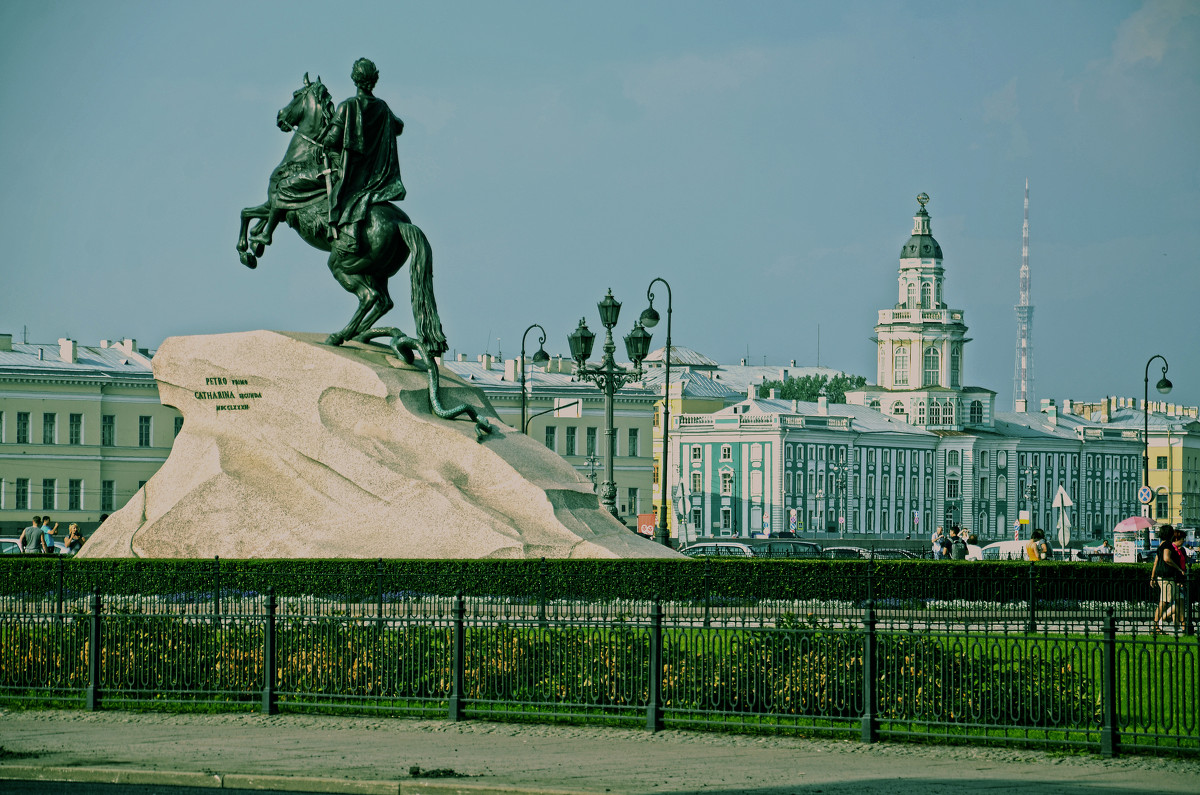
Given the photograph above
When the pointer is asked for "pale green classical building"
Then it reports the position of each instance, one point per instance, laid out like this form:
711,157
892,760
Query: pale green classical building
81,430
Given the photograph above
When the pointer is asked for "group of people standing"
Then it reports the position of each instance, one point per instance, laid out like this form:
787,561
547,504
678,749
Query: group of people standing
1169,576
960,544
39,537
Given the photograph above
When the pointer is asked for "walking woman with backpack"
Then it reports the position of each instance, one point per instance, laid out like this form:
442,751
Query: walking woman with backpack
1167,574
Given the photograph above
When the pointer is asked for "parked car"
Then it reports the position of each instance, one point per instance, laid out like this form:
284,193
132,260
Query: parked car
784,548
1005,550
718,549
856,553
12,546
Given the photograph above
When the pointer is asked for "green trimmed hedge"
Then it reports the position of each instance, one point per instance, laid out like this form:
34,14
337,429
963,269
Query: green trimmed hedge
584,579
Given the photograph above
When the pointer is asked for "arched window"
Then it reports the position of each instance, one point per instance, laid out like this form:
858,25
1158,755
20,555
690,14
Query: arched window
935,413
875,404
948,412
976,412
920,412
926,296
952,458
955,364
933,367
900,367
897,407
912,296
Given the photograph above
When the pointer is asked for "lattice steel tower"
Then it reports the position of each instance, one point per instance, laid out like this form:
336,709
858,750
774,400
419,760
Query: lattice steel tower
1023,376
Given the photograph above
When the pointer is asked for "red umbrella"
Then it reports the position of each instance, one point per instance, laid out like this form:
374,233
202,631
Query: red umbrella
1133,524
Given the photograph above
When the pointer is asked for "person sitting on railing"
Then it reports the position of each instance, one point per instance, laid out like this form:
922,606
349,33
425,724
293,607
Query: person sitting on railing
1037,548
974,551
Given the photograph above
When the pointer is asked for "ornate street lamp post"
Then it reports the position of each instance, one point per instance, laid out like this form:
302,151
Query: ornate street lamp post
1031,492
840,499
539,358
591,462
649,319
609,377
1163,386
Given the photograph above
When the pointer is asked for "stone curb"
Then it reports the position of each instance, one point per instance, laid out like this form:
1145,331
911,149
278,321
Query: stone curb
101,775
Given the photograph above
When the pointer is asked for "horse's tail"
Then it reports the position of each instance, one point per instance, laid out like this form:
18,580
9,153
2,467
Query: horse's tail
424,306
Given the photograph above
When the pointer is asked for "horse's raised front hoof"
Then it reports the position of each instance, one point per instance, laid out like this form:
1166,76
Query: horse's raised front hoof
258,248
249,260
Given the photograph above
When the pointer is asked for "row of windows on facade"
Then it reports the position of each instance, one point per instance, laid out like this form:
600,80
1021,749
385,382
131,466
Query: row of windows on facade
108,429
941,412
793,483
931,372
77,496
631,448
927,296
912,522
918,458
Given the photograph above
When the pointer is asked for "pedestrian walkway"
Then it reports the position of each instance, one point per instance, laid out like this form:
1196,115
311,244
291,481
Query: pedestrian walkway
312,753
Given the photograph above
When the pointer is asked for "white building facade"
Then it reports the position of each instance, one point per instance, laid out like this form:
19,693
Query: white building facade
917,450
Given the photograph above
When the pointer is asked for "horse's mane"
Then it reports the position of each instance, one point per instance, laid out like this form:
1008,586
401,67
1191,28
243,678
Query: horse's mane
325,99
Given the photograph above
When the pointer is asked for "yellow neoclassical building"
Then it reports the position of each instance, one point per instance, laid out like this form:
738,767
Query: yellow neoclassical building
1173,451
81,430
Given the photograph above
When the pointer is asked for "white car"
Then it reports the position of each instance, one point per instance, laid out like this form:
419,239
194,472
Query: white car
12,546
718,549
1015,550
1005,550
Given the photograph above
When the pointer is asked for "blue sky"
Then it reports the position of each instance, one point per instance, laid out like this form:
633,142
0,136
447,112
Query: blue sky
762,157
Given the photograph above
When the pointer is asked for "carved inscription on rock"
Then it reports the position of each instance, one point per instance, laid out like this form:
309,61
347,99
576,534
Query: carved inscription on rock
220,388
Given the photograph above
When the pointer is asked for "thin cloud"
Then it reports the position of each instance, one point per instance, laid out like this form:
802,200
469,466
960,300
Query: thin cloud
1146,35
669,80
1002,109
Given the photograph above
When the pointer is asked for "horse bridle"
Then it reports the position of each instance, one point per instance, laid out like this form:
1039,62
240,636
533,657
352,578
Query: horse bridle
326,120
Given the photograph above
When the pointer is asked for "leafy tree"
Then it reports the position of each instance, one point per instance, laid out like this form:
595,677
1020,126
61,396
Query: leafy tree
808,388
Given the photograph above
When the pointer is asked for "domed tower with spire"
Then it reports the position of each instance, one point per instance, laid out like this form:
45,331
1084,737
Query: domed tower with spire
920,345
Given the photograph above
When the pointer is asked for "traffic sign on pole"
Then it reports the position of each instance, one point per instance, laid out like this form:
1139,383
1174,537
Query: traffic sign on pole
1146,495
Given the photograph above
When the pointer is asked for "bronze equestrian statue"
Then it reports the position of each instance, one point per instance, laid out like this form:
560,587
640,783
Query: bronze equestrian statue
335,187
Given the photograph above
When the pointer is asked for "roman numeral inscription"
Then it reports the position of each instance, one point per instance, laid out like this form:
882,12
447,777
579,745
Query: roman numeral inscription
227,389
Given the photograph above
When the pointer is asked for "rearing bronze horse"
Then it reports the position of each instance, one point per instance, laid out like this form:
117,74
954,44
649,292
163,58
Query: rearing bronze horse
298,194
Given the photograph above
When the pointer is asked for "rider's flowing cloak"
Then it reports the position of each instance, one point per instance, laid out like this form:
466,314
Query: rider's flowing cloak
371,163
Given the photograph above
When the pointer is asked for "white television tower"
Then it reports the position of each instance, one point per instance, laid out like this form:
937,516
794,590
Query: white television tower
1023,398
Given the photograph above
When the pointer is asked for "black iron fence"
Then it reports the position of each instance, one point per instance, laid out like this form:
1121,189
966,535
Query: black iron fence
1091,675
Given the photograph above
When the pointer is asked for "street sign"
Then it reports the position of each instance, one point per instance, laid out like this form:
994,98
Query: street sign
793,519
841,520
1023,516
1146,495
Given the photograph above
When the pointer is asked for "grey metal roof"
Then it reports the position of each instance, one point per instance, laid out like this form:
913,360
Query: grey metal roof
863,419
692,384
683,357
494,381
739,377
42,359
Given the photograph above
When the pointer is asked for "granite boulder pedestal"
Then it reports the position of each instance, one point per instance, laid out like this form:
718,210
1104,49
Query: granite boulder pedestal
295,449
